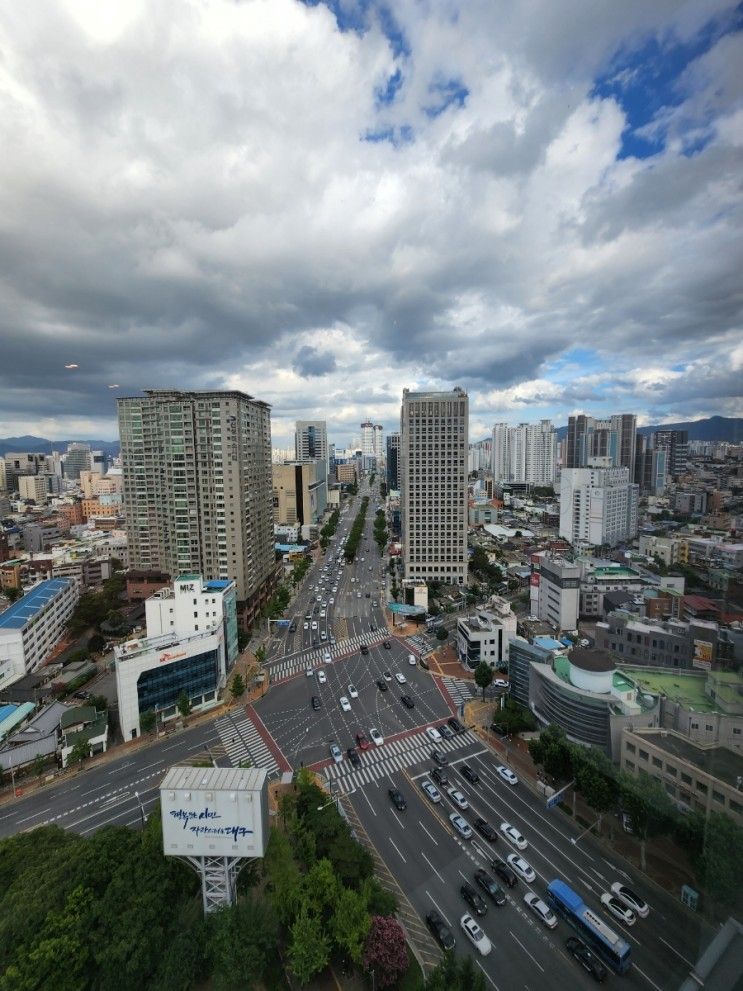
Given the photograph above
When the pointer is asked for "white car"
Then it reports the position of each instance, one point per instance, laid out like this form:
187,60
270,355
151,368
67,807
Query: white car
376,736
457,798
411,660
332,600
618,909
314,624
401,679
521,867
541,910
306,626
433,734
513,836
309,671
507,774
500,683
321,678
475,935
326,657
431,791
345,704
631,899
461,825
353,692
336,753
358,595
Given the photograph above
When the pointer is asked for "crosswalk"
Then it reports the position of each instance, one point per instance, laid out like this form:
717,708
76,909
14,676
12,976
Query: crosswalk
289,666
460,690
391,757
243,742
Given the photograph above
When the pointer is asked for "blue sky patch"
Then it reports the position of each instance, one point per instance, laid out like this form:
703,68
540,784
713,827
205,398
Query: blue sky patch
396,136
385,95
446,93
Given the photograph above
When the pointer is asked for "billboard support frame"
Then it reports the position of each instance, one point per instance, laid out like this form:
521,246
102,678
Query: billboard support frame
218,877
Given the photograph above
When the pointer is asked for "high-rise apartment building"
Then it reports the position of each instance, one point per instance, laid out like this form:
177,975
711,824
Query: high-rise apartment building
613,437
78,458
434,429
676,445
650,467
525,453
311,442
598,505
197,487
393,461
367,438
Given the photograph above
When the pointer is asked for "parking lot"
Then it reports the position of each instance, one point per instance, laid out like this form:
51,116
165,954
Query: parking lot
304,735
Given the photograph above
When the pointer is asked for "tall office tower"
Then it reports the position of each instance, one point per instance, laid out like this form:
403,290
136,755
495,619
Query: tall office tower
311,441
650,467
197,487
613,437
367,439
434,430
598,505
676,445
78,458
378,441
393,462
526,453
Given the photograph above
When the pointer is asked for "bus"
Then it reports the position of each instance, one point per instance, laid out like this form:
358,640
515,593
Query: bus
612,949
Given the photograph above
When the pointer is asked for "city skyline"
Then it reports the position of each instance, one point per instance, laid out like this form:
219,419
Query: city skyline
541,208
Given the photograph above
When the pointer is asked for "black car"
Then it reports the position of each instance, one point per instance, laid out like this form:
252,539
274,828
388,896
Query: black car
368,595
485,830
488,885
475,901
455,725
315,702
293,628
440,931
439,776
445,732
381,685
353,756
586,958
472,776
364,649
407,701
397,800
387,645
504,872
438,758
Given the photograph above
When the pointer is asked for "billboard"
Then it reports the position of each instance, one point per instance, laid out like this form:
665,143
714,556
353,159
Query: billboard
214,812
702,655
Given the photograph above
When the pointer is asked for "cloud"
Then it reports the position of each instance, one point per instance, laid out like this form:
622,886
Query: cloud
324,203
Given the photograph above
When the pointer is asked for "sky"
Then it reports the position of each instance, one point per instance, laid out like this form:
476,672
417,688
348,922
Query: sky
324,202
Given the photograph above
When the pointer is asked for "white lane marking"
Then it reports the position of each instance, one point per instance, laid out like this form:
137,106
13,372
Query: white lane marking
635,967
121,767
529,954
396,848
434,870
438,907
436,842
674,950
368,802
402,825
33,816
487,975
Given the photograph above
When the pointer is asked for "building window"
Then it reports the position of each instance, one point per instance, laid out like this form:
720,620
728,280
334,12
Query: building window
718,797
686,778
657,762
630,747
702,788
643,755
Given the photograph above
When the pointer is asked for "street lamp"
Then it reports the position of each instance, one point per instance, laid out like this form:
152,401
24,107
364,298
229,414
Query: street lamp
141,809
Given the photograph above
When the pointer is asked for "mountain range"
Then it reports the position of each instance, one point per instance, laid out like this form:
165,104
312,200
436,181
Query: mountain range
722,428
40,445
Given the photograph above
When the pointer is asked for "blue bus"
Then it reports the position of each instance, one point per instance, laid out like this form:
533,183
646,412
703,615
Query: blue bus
612,949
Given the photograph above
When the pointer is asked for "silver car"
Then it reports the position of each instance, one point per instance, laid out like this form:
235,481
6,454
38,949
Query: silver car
461,825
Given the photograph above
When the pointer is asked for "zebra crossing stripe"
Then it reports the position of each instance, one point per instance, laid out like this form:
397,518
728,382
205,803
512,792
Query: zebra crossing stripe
242,741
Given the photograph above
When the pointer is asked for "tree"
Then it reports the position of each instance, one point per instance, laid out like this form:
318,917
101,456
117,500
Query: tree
79,752
442,633
99,702
309,950
553,752
378,900
13,593
260,654
321,888
147,721
237,686
595,783
646,802
38,765
350,923
242,942
483,676
183,704
284,879
243,640
96,643
721,862
385,952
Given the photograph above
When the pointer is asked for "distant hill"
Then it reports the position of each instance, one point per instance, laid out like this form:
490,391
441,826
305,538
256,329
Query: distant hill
40,445
727,428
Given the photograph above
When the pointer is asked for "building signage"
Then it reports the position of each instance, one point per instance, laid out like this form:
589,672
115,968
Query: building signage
171,657
702,655
208,822
191,587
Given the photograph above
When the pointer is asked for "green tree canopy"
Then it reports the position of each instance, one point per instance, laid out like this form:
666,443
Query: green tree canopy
483,676
309,947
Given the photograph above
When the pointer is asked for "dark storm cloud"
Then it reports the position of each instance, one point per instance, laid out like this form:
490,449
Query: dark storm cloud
309,362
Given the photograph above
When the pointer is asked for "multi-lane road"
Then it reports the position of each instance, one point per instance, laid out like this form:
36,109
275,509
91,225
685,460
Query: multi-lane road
418,845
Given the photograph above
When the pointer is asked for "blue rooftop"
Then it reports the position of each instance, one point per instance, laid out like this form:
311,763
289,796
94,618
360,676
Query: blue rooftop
218,584
548,643
24,610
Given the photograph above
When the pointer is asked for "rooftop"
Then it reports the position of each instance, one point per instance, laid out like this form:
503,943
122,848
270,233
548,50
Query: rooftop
24,610
687,689
590,659
719,762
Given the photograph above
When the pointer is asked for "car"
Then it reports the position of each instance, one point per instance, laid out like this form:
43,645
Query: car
521,867
433,734
446,733
314,624
411,657
368,595
618,909
439,775
455,724
364,649
476,902
344,703
457,798
387,645
309,671
352,692
381,685
506,774
336,753
475,935
586,958
540,909
322,678
437,757
397,799
500,683
306,626
376,736
358,595
439,930
407,701
387,676
630,899
353,756
315,702
513,836
361,741
331,600
472,776
461,825
491,889
323,635
430,791
400,678
326,658
504,872
485,830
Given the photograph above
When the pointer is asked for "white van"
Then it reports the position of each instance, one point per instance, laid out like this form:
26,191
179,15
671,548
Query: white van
411,660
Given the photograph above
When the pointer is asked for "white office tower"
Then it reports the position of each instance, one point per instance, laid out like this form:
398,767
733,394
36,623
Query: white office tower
598,505
367,439
525,453
434,428
378,441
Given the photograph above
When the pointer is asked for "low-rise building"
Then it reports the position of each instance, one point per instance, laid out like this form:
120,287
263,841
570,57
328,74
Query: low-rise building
557,583
31,627
86,725
671,643
486,635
